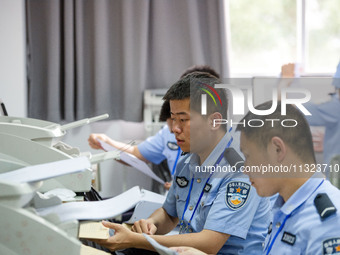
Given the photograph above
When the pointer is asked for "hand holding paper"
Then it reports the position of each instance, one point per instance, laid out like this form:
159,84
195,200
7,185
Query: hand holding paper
122,239
132,161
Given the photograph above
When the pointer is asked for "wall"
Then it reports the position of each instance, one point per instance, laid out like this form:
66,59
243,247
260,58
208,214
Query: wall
13,89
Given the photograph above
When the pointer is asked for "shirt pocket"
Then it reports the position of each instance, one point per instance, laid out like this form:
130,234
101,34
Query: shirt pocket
208,200
205,206
181,198
285,249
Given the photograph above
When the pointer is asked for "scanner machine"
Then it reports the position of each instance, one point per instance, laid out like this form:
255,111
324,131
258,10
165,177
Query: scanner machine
27,142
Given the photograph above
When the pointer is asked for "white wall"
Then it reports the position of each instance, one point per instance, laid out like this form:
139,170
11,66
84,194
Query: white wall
13,89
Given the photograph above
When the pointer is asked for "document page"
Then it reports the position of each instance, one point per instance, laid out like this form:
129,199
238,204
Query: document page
93,230
162,250
46,171
132,161
95,210
87,250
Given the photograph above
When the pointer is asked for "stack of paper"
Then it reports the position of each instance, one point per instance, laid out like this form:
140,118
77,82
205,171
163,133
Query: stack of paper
93,230
95,210
110,208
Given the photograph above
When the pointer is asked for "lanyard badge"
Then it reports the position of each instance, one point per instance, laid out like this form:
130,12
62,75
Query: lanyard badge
185,229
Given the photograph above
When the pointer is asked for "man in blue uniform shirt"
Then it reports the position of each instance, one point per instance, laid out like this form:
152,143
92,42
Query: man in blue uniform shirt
216,215
162,146
306,213
154,149
326,114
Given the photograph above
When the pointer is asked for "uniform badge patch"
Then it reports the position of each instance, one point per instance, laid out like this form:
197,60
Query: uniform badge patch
207,187
288,238
237,193
182,181
172,146
331,246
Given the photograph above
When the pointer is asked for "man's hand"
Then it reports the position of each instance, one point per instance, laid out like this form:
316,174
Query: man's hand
288,70
93,142
123,238
187,251
144,226
167,185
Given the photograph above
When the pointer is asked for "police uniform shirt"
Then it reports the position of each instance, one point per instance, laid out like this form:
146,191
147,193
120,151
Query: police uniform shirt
328,115
229,205
304,232
159,147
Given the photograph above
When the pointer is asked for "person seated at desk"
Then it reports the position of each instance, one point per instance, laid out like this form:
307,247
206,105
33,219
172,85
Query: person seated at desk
217,212
160,147
155,149
306,212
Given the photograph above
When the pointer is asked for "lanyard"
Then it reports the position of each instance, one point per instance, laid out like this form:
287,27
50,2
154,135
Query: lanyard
177,157
202,192
284,222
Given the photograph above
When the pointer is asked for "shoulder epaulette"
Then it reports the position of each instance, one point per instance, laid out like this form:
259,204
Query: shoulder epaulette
233,158
324,205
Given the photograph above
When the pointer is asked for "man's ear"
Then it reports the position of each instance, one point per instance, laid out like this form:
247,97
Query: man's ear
215,120
279,148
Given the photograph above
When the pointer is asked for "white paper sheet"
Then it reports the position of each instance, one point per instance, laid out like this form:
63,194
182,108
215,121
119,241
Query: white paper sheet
46,171
93,230
133,161
150,202
162,250
106,146
95,210
139,165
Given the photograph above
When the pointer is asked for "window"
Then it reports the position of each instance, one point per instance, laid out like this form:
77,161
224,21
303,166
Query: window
322,36
264,34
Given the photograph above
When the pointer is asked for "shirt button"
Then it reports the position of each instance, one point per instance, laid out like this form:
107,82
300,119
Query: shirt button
278,224
191,207
202,204
262,245
177,196
199,180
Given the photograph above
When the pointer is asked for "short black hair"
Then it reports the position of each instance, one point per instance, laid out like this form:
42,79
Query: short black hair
298,138
202,69
195,84
165,111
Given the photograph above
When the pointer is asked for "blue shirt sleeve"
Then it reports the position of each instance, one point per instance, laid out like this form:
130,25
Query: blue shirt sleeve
153,147
236,222
170,202
323,114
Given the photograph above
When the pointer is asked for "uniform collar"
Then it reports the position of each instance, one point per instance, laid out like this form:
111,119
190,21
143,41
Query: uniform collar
301,195
213,156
